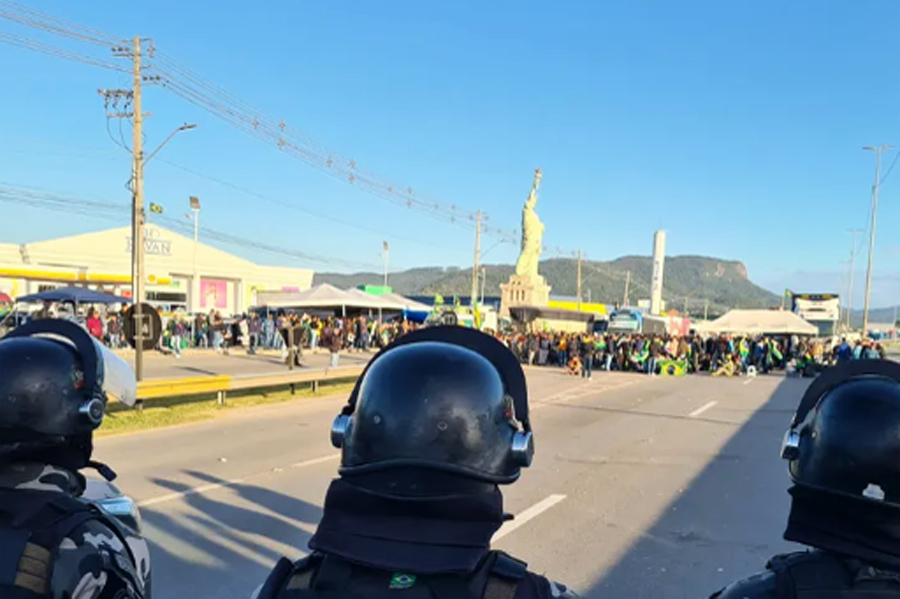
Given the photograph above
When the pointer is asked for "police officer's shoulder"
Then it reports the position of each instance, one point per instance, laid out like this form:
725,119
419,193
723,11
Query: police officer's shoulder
537,586
762,585
93,562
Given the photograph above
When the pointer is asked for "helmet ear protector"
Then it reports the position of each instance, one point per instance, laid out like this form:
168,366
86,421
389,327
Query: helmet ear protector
825,382
522,448
64,331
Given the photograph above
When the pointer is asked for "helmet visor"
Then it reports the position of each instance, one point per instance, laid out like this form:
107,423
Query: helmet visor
116,376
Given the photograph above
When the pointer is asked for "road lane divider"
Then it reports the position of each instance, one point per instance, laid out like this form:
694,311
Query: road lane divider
220,385
703,408
231,482
529,514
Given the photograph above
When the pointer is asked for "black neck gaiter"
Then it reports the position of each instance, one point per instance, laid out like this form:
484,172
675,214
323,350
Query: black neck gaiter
859,528
420,535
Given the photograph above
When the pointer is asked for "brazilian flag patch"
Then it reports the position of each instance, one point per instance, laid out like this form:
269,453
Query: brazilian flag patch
402,581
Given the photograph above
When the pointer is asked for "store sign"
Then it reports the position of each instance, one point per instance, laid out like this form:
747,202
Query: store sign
153,244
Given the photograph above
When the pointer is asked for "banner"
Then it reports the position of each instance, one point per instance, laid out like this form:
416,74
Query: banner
213,293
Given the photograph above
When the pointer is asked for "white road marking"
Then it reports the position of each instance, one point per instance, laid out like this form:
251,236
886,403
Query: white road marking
531,513
702,408
228,483
748,381
579,392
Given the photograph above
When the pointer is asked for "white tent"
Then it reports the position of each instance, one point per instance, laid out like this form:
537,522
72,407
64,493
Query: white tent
322,295
408,304
367,300
760,322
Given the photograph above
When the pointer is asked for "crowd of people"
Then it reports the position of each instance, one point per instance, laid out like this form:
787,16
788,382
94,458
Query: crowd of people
727,355
580,354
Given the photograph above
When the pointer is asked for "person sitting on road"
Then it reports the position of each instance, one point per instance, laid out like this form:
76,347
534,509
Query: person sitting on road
437,421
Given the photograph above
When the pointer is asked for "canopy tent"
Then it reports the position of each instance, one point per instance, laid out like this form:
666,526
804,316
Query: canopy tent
367,300
406,303
322,295
776,322
4,299
74,295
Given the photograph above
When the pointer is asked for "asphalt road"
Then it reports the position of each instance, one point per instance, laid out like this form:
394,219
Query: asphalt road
641,486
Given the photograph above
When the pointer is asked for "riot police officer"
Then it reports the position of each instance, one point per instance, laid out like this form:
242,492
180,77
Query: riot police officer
843,449
436,422
55,381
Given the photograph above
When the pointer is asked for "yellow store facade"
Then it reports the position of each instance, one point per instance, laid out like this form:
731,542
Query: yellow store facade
179,273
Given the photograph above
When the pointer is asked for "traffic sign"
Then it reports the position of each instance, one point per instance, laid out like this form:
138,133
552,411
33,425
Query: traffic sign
152,326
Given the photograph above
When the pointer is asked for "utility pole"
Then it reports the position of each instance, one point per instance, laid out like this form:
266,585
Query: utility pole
627,283
137,226
853,233
685,306
131,100
483,282
706,309
878,152
474,292
579,280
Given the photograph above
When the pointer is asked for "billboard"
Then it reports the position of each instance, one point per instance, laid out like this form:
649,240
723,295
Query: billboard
213,293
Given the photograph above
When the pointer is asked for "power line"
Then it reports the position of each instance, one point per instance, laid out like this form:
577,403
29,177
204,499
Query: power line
218,102
215,100
117,211
30,44
890,168
298,208
56,25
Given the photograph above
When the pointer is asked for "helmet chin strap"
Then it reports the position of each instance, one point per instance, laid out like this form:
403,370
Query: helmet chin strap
103,470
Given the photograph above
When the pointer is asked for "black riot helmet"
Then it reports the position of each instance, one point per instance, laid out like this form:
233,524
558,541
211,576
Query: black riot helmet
845,436
444,398
55,380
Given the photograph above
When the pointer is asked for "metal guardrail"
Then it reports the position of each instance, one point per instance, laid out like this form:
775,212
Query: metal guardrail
220,385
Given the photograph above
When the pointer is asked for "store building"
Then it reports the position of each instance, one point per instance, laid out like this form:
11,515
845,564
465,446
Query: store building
180,274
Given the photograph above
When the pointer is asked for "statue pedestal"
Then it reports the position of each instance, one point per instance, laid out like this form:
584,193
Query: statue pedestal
523,291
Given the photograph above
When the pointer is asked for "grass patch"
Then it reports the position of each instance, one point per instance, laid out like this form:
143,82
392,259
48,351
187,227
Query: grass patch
169,411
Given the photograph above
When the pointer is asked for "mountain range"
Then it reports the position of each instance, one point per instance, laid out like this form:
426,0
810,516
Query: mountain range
688,280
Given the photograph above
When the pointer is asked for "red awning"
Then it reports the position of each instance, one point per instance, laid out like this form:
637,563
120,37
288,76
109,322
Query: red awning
5,298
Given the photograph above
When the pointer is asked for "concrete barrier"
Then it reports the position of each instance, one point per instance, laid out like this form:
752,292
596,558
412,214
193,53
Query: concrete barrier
220,385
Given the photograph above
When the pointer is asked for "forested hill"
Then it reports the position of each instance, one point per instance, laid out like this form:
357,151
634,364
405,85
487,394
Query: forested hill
724,283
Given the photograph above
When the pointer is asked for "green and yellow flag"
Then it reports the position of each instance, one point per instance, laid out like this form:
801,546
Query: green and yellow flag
156,208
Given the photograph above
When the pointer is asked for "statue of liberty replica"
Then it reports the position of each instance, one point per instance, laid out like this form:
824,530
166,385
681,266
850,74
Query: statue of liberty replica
527,287
532,234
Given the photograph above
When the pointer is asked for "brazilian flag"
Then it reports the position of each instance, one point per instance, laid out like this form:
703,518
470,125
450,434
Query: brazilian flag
156,208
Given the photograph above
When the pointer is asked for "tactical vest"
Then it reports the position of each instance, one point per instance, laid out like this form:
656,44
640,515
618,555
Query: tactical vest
32,526
329,577
822,575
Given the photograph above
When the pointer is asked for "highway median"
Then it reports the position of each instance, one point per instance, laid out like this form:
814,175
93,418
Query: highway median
170,402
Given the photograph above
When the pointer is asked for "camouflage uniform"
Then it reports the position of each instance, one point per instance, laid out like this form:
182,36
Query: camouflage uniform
92,562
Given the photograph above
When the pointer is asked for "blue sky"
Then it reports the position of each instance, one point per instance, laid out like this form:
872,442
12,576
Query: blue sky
736,126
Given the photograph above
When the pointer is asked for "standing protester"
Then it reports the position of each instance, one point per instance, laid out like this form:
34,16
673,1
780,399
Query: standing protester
52,543
586,347
436,423
842,449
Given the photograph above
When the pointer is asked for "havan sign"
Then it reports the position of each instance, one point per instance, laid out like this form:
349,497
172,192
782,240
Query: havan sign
153,245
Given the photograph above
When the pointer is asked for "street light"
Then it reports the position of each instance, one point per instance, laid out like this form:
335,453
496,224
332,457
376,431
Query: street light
184,127
878,151
195,280
137,240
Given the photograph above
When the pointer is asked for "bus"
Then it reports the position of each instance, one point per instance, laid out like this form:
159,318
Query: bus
822,310
635,322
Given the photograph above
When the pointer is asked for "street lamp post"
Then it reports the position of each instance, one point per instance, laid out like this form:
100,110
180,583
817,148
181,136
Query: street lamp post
483,282
878,151
137,237
195,277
